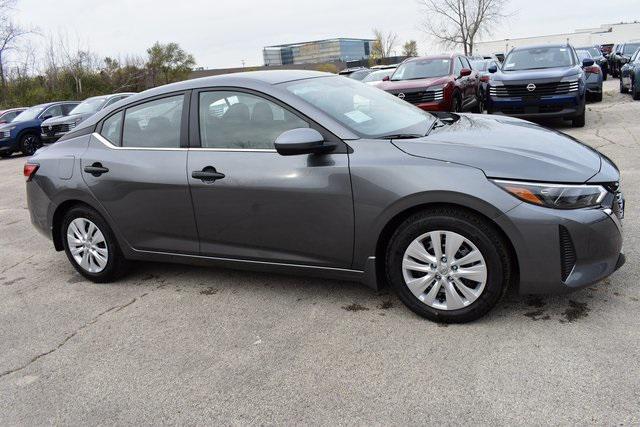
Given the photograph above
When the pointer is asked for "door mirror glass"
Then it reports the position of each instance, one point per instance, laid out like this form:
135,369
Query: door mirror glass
587,62
493,69
301,141
465,72
386,78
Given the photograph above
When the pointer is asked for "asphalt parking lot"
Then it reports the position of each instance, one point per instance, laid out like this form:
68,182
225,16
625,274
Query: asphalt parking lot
188,345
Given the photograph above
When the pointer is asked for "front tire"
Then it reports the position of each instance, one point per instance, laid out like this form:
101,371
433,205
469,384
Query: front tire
448,265
635,90
91,245
456,105
579,121
623,89
29,143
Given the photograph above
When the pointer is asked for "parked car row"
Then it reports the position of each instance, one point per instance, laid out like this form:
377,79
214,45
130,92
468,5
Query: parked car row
26,129
547,81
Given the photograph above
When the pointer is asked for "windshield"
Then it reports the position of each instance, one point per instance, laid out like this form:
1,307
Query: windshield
366,110
595,52
29,113
377,76
480,65
539,57
583,54
90,105
422,69
359,75
629,48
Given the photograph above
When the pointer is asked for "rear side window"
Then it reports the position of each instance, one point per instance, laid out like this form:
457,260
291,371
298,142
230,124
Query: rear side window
154,124
112,128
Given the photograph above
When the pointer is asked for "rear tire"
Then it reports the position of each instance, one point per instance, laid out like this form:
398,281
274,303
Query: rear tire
91,246
456,105
456,299
597,97
479,108
29,143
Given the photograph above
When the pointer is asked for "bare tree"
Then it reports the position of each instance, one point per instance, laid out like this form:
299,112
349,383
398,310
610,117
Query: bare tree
459,22
10,33
383,44
77,60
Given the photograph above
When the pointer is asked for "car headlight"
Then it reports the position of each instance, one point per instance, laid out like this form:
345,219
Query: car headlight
571,79
435,88
556,196
9,129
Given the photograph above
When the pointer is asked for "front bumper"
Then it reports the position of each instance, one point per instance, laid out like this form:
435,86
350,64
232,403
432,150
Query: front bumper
544,107
51,137
7,144
562,250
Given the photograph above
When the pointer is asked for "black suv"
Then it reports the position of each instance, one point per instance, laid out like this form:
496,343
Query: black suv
621,56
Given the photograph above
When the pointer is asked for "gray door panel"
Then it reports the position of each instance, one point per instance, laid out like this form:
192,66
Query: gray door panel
146,192
295,209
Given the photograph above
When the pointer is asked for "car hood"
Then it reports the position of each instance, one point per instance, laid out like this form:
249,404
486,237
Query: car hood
412,84
508,148
542,74
20,125
65,119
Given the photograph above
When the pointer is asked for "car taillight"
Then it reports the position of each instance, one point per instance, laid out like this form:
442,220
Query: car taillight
484,79
30,170
594,69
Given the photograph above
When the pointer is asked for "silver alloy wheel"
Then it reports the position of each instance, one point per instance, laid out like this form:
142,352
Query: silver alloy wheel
444,270
87,245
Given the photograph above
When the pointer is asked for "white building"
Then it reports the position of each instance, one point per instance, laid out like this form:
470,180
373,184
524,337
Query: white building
604,34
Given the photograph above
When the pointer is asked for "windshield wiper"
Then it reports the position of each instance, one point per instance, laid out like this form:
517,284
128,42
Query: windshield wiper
401,136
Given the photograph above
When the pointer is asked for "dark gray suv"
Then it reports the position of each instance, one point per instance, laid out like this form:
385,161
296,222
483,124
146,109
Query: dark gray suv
311,173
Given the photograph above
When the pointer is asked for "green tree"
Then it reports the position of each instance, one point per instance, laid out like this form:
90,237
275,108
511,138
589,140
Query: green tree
168,63
410,48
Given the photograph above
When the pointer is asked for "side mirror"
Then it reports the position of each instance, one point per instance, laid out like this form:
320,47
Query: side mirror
624,59
493,69
386,78
301,141
465,72
586,62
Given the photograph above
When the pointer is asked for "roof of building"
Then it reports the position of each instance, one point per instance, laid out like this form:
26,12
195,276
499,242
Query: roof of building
318,41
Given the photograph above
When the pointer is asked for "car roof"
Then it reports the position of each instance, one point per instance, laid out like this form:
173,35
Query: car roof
540,46
441,56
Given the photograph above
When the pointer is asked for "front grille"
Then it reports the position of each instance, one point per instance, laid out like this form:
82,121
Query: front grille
541,89
53,129
567,253
533,109
422,96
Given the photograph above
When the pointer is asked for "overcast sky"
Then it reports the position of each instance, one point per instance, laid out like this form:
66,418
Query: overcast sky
222,33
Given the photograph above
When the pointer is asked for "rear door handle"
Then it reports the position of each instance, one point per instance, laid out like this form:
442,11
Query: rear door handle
96,169
207,174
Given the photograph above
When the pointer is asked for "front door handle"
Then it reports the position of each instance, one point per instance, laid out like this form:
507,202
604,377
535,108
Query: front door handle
208,174
96,169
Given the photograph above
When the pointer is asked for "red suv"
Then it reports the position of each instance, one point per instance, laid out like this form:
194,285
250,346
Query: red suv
437,83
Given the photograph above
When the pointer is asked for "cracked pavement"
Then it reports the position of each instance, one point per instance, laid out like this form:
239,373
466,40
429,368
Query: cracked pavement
190,345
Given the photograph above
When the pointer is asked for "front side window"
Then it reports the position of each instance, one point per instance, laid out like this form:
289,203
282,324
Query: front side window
239,120
112,128
154,124
54,111
583,54
422,69
365,110
538,58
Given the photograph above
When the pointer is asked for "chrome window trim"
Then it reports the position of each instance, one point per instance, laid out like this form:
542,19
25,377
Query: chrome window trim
110,145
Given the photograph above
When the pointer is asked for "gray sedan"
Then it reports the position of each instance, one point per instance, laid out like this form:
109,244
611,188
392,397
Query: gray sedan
309,173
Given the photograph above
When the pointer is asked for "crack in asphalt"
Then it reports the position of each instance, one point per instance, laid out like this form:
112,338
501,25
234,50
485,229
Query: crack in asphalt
114,309
17,264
